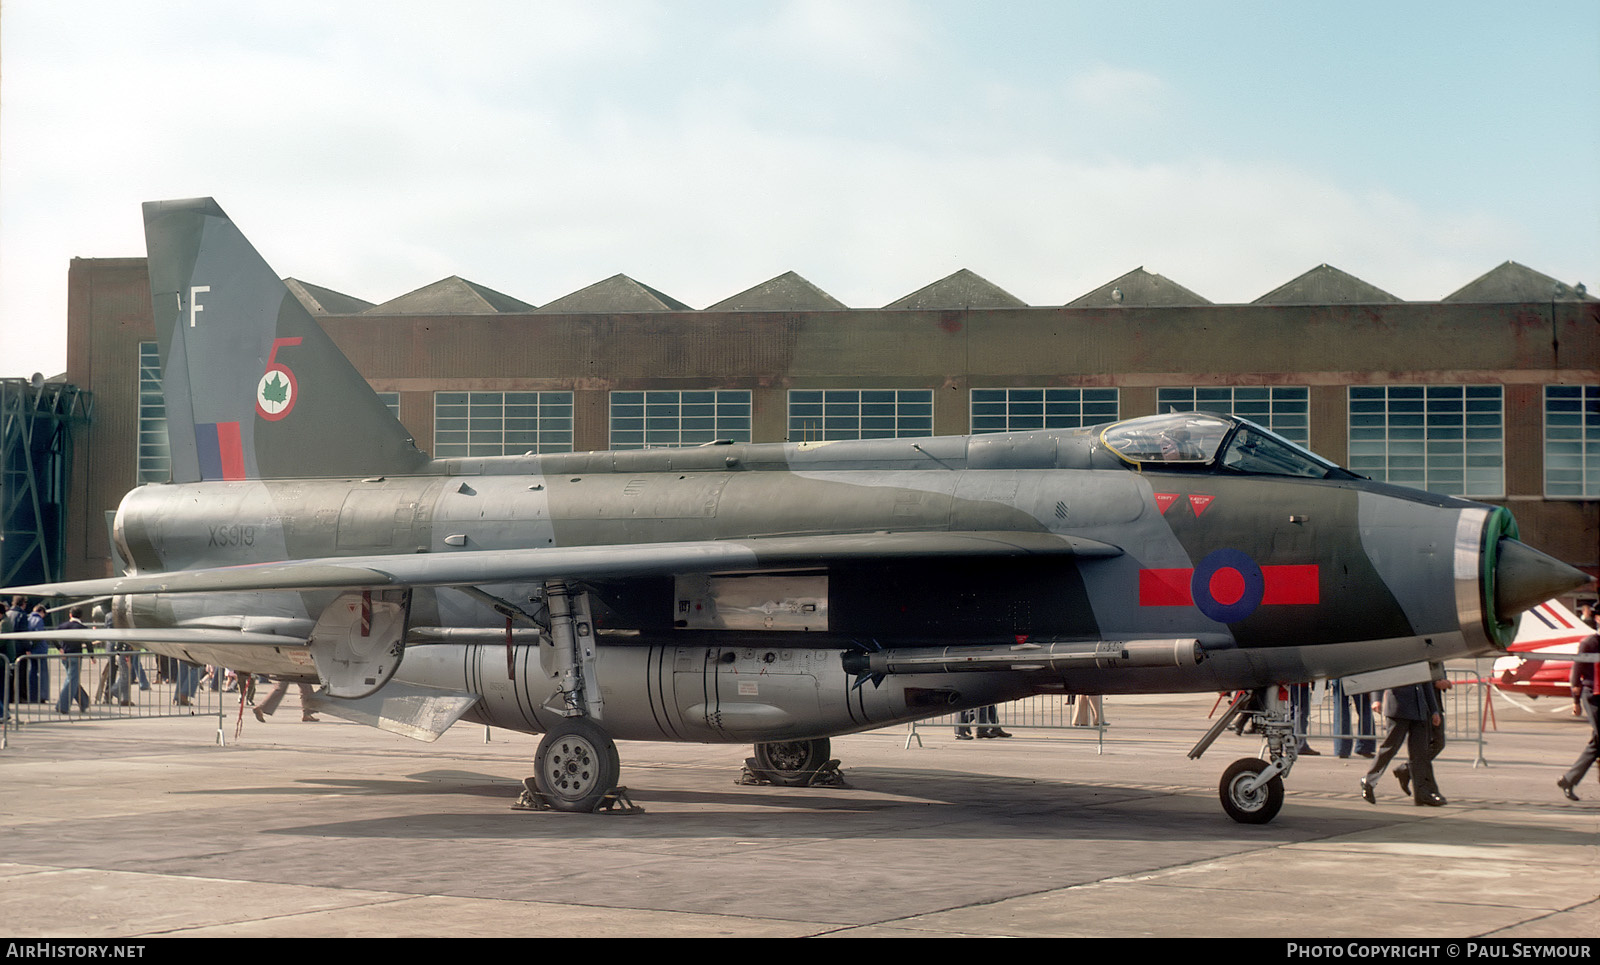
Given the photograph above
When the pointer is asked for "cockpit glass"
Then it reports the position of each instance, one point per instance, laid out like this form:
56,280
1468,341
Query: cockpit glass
1201,441
1254,449
1176,437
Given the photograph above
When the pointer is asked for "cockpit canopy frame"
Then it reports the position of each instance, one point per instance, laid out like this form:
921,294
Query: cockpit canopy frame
1209,442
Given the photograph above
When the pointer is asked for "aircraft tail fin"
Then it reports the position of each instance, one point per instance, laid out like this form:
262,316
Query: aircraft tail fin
255,389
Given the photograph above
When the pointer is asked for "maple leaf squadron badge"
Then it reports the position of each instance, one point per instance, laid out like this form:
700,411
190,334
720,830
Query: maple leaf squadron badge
277,390
275,393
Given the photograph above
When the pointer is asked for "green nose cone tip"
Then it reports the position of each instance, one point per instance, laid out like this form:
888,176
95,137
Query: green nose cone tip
1525,577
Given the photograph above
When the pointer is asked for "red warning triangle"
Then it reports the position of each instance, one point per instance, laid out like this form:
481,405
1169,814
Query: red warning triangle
1165,500
1200,503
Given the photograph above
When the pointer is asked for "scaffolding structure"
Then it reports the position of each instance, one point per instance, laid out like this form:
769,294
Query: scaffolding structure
37,419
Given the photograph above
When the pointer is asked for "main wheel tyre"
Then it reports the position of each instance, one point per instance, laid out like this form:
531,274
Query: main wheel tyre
791,763
576,765
1252,807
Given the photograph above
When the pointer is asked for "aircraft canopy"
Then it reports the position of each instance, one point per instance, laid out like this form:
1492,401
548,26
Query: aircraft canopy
1202,440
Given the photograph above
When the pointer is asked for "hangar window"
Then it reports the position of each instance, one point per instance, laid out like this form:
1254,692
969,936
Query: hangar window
154,460
655,419
1447,439
817,415
1284,409
501,423
1572,441
1012,410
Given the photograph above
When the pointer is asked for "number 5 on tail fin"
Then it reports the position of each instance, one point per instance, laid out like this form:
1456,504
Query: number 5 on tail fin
254,388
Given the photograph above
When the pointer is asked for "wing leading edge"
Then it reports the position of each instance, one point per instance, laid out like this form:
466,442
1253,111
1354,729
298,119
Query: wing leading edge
180,635
473,567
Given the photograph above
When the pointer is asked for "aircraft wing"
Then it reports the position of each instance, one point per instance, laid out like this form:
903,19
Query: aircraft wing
182,635
479,567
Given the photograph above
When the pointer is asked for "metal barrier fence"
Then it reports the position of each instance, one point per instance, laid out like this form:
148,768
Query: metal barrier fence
1077,716
1465,706
131,684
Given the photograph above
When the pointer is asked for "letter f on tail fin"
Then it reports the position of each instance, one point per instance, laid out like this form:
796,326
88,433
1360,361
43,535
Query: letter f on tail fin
254,388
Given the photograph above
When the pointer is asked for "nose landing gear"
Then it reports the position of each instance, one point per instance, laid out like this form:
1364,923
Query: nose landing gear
1248,798
1251,789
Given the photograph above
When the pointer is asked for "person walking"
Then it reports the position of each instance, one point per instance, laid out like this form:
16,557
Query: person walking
72,661
269,706
1582,680
1413,713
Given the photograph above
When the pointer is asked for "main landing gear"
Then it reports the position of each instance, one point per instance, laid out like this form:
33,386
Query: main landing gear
576,769
1251,789
577,765
803,763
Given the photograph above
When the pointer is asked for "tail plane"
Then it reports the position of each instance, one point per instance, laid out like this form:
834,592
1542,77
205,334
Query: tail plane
255,389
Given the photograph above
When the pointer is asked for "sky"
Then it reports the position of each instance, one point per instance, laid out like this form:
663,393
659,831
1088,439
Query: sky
874,146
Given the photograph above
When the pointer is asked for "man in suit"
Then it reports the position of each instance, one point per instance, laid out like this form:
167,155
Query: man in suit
1436,741
1416,719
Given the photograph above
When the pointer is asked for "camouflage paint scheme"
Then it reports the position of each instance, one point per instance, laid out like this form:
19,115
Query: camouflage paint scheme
860,583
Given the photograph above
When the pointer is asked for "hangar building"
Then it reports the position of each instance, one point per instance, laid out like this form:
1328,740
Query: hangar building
1491,392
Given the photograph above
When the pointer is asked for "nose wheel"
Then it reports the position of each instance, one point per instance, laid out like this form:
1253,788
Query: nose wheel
1251,788
1245,797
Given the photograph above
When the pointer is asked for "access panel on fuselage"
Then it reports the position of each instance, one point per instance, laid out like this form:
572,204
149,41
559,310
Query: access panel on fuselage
960,599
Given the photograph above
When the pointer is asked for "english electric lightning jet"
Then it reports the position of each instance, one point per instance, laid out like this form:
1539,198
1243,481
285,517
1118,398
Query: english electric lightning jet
776,594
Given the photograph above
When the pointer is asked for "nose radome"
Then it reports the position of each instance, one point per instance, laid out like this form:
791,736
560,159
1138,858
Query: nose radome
1525,577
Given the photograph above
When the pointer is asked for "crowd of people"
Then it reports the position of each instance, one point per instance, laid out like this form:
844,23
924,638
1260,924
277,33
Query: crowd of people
121,670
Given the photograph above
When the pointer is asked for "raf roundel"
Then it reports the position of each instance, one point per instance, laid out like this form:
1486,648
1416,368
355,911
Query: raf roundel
1227,586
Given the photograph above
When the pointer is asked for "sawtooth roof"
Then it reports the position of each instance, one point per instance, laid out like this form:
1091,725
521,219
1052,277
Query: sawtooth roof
959,289
451,296
963,289
325,301
1325,285
787,292
1138,288
1511,282
619,293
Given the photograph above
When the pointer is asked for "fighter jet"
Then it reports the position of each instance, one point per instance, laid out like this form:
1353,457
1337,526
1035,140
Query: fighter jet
1540,660
777,594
